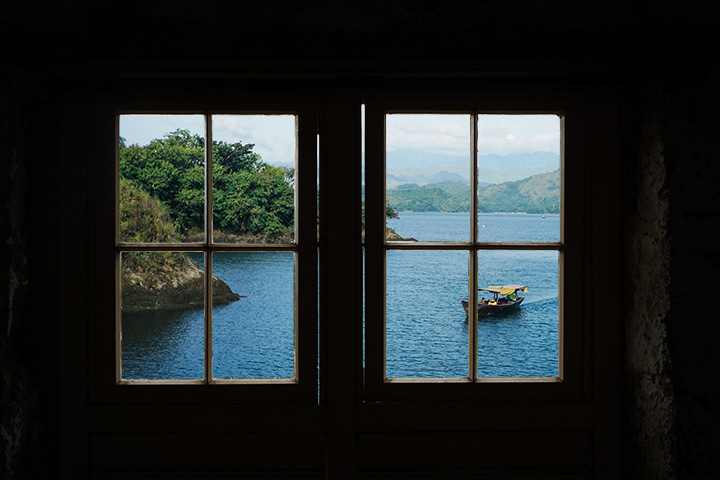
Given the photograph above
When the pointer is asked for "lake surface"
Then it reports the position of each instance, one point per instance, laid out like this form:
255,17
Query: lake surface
427,335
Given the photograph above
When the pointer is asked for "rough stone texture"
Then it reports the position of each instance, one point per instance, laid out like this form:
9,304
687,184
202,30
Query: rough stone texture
21,427
672,261
171,289
670,241
647,253
692,152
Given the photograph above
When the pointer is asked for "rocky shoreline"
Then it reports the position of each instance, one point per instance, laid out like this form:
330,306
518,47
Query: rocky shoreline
393,236
171,288
179,286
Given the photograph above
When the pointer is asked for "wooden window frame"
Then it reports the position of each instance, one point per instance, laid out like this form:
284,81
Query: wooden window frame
108,384
369,385
357,417
572,323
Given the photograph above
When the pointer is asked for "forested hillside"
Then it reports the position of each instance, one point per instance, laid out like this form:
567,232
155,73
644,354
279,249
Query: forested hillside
159,280
251,199
536,194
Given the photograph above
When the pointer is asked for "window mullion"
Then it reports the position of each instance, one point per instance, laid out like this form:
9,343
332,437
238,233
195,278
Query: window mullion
208,250
472,256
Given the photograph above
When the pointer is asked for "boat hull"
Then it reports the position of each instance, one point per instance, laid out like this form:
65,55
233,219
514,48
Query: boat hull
487,310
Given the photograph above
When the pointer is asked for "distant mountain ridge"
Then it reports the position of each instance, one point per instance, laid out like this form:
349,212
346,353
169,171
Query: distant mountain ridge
535,194
422,167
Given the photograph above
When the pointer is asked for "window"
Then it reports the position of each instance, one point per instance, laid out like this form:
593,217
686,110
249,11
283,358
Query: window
420,344
332,411
202,223
242,230
215,251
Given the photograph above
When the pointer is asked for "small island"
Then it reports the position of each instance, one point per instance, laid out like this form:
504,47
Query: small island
162,200
171,285
159,280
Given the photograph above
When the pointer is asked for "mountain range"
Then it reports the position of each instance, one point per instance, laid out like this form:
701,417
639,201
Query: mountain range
535,194
420,167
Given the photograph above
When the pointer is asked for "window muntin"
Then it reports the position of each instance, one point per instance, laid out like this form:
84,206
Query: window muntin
246,227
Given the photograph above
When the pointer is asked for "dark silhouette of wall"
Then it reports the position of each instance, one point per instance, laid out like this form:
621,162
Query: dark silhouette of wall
660,57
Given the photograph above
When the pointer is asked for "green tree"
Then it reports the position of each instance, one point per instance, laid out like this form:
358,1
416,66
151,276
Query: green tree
170,169
250,197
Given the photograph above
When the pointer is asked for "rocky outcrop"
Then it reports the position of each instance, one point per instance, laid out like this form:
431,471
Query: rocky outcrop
171,288
392,236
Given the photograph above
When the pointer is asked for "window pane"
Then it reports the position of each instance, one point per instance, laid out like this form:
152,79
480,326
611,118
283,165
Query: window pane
162,328
254,178
518,340
426,335
428,171
255,336
518,175
162,178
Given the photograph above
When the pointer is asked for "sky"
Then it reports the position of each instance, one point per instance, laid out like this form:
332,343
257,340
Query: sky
413,141
273,135
497,134
510,147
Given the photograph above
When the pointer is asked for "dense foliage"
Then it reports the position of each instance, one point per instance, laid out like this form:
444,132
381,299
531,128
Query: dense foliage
250,197
536,194
437,197
145,219
142,217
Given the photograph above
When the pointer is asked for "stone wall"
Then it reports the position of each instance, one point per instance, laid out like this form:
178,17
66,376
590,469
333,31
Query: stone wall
21,415
692,157
671,185
647,253
672,271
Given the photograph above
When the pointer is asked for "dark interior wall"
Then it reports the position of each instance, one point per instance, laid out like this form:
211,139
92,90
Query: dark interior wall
660,55
692,155
671,271
22,420
16,394
648,274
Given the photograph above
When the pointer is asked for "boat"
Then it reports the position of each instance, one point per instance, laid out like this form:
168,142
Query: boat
504,299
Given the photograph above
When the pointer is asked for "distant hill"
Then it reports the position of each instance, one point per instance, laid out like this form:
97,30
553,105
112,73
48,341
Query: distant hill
393,181
438,197
535,194
417,166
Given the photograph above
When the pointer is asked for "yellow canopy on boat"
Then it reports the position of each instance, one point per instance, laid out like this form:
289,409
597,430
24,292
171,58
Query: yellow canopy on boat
505,289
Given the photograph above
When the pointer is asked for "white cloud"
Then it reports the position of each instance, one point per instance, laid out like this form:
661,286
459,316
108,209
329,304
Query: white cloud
142,129
273,135
512,134
446,134
450,134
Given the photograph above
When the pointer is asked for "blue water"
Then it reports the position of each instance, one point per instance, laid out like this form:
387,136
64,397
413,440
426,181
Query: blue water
427,335
426,332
